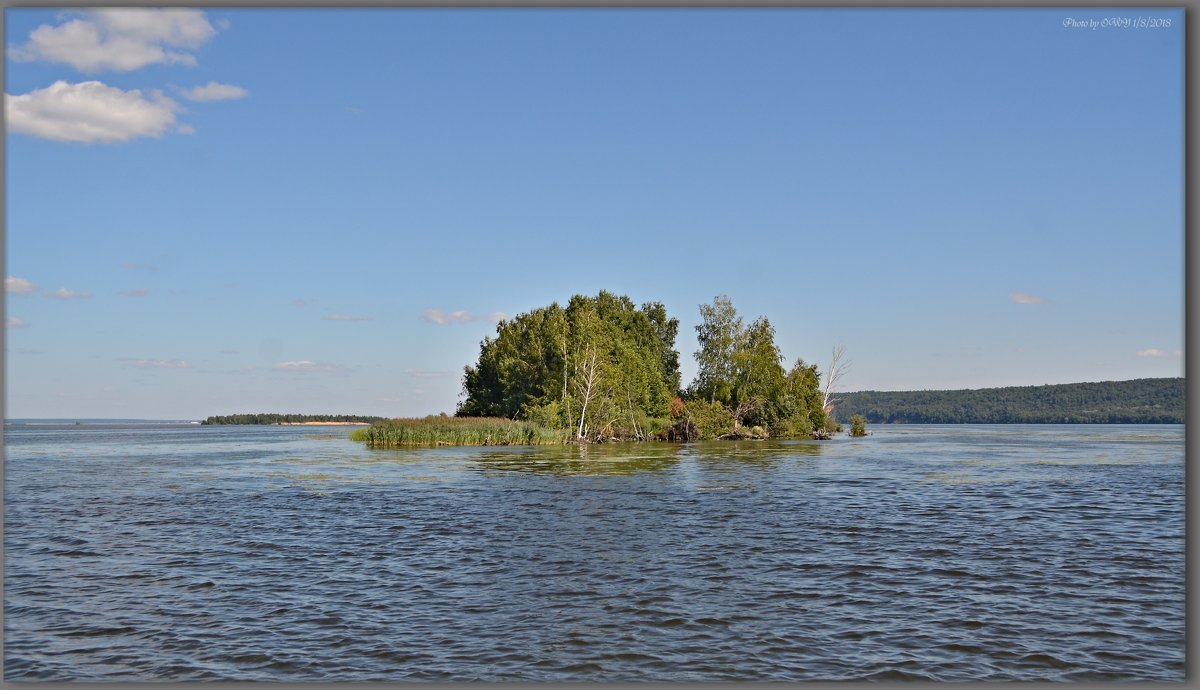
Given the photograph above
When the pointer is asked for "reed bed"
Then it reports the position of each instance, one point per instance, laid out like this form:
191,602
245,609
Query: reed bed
458,431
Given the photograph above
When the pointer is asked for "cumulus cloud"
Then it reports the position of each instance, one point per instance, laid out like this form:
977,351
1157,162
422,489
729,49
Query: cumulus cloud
89,112
1022,298
213,91
159,364
439,316
13,322
1156,353
19,286
346,317
118,39
64,293
138,292
306,365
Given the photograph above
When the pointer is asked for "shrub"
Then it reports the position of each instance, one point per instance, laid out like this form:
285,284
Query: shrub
710,419
798,425
549,415
858,426
677,408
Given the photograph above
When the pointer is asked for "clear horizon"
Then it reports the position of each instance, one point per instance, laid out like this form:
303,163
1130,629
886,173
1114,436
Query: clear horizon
324,211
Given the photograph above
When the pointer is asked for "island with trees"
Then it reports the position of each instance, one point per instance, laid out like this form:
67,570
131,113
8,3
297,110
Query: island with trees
603,369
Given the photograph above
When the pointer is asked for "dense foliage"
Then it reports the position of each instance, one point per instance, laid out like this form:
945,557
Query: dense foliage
270,418
741,388
1141,401
601,366
606,370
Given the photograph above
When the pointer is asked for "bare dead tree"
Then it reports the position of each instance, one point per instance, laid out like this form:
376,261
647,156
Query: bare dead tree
586,385
837,369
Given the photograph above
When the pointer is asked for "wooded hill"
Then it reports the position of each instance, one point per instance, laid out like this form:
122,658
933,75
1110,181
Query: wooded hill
1141,401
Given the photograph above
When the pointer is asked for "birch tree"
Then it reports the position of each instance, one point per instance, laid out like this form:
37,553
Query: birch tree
837,369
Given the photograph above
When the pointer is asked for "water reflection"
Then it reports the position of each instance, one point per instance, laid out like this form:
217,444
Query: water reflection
761,454
625,459
613,459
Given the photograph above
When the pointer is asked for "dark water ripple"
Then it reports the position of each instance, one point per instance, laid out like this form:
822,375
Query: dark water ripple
920,553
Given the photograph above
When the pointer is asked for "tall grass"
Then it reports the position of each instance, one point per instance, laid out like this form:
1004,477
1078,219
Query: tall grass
457,431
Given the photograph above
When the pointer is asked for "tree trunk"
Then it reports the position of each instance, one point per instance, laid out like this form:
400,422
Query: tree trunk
589,384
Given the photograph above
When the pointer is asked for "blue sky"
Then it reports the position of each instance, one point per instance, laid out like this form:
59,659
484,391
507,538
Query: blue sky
325,211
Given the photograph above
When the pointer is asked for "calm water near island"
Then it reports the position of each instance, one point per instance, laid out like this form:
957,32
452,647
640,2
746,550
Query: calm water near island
180,552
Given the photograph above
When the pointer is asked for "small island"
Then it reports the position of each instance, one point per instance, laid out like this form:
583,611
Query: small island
602,369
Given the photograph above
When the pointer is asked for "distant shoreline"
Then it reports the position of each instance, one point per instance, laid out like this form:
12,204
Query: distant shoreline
290,419
320,424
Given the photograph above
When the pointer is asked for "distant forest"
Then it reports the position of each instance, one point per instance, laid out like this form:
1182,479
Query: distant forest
1141,401
287,418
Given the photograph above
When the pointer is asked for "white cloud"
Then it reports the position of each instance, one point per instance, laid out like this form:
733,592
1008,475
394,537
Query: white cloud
346,317
1156,353
120,39
1022,298
306,365
440,316
89,112
19,286
185,129
159,364
64,293
213,91
13,322
138,292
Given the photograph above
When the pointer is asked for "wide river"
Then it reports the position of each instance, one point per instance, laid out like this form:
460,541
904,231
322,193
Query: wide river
140,552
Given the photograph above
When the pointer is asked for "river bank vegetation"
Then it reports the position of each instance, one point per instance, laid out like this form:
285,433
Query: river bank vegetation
441,430
605,369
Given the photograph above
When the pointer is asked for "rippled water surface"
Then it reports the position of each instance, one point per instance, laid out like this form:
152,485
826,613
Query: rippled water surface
159,552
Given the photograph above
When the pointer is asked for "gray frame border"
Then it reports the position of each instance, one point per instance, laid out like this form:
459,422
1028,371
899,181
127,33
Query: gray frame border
1190,244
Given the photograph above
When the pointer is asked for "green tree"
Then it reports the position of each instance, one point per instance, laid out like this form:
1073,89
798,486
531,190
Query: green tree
741,368
800,410
758,376
600,366
718,334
